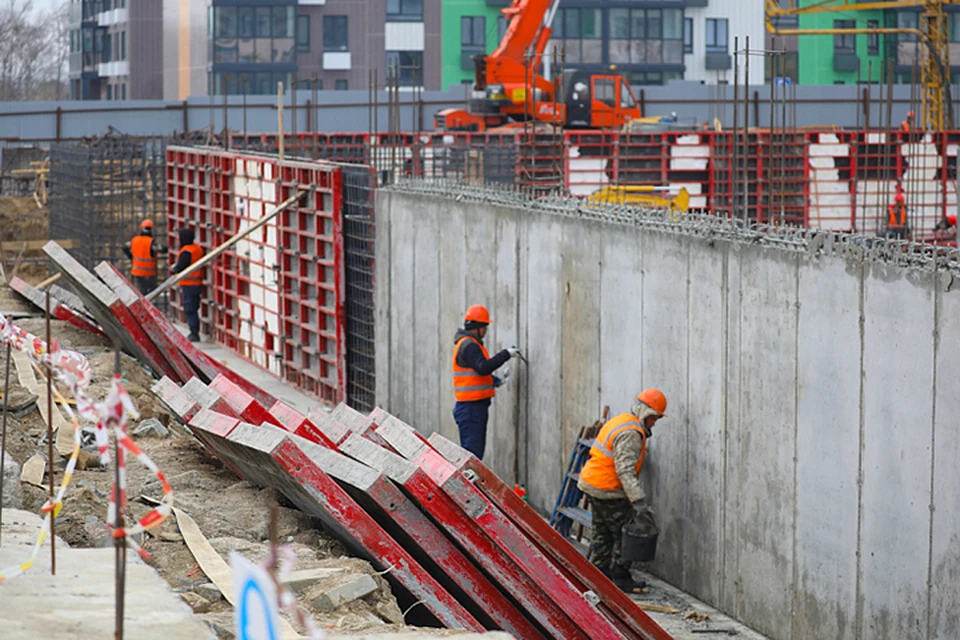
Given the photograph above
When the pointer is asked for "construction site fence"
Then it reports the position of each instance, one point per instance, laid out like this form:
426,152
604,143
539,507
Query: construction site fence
834,180
296,296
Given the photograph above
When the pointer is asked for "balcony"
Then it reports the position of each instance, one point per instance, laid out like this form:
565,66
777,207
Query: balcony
695,4
112,69
112,17
718,62
845,61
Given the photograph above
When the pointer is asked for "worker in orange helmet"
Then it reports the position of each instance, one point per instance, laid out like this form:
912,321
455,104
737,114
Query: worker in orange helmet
906,125
142,252
610,478
473,381
897,217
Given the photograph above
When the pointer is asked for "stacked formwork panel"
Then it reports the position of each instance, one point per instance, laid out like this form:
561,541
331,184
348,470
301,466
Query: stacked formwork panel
277,296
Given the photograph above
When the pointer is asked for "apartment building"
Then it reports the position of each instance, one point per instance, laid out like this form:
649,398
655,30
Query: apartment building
115,49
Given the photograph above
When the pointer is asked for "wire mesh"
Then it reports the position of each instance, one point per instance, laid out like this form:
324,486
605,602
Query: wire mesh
359,237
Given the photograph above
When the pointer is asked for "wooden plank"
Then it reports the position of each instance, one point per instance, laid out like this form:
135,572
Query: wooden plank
35,245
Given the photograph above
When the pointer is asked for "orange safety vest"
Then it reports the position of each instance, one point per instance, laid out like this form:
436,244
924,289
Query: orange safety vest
195,277
600,471
897,216
905,126
144,264
468,385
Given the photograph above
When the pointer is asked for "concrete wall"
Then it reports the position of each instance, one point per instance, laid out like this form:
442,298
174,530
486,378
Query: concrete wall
805,479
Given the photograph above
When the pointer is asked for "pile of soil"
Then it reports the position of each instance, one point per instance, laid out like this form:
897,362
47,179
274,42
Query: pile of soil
232,514
21,219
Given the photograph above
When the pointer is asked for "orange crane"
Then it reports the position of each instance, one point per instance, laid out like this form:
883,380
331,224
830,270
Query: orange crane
509,88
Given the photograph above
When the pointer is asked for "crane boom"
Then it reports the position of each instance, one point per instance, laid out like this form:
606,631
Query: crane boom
530,22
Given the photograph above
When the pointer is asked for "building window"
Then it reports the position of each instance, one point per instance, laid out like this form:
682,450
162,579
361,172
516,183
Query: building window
303,33
688,35
845,42
784,65
109,92
123,45
638,78
408,65
502,24
907,20
123,88
340,85
873,39
786,21
335,33
253,83
577,32
953,26
254,35
473,34
646,36
716,35
404,10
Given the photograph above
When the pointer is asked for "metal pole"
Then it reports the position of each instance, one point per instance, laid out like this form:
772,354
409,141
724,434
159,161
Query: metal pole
226,128
735,142
289,202
245,140
119,544
774,59
3,435
746,133
280,142
50,463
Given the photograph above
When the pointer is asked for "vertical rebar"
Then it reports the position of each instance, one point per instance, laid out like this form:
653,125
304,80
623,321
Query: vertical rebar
226,127
315,112
3,430
735,141
243,80
50,462
869,105
746,132
293,110
119,543
890,146
280,141
783,134
771,183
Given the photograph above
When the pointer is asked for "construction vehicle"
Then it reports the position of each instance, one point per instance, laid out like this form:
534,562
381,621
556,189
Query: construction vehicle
656,197
509,87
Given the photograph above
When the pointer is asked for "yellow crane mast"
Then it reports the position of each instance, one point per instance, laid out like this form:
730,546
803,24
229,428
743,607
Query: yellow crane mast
936,104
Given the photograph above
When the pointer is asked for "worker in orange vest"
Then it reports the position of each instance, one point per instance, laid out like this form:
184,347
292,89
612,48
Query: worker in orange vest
191,287
906,125
143,255
897,217
474,384
610,478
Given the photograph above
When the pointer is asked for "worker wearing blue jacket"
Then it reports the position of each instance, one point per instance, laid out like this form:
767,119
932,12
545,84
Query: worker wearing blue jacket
473,381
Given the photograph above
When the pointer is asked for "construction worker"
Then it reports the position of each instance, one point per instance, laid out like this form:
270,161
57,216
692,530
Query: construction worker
906,125
143,253
473,380
610,478
897,217
191,287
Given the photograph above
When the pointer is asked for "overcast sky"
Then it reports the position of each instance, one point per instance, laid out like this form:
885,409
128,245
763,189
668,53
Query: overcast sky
47,5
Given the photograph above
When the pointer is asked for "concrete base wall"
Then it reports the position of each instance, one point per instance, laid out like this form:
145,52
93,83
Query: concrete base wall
805,478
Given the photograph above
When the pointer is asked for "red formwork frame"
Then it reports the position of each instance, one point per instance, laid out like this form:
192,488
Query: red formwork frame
276,297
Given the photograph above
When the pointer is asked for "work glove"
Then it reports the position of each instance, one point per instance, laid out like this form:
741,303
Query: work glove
642,510
514,351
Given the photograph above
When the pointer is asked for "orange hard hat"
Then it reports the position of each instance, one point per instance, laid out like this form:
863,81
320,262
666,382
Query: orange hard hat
477,313
654,399
909,114
899,197
146,224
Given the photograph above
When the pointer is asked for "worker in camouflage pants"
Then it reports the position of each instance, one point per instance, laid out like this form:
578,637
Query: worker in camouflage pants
609,518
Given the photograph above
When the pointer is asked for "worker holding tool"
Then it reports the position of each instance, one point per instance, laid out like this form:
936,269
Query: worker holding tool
610,478
473,381
143,253
191,287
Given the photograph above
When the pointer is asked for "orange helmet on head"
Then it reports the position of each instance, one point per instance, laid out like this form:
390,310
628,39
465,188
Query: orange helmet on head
654,399
899,197
909,114
146,224
477,313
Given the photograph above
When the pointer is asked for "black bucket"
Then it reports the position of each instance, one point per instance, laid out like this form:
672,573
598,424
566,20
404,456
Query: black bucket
639,542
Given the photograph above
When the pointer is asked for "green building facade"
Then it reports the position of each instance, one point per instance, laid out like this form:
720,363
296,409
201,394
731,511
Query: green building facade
470,28
834,59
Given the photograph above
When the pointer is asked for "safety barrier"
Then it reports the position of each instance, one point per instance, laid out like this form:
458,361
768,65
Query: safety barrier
834,180
276,297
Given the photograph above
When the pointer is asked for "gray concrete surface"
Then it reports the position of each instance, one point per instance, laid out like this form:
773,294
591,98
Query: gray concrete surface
805,477
79,601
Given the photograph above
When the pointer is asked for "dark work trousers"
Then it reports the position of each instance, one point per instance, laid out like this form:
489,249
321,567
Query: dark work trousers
145,284
191,306
471,419
609,516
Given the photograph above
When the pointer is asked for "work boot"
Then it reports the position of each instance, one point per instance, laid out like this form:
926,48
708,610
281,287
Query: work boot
194,337
624,580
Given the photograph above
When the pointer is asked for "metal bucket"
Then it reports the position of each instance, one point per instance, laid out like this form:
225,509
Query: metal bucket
639,542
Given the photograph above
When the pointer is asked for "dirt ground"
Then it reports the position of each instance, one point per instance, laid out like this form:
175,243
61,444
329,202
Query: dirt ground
21,219
232,514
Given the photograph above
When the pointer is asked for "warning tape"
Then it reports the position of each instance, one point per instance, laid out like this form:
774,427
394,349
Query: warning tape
73,371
